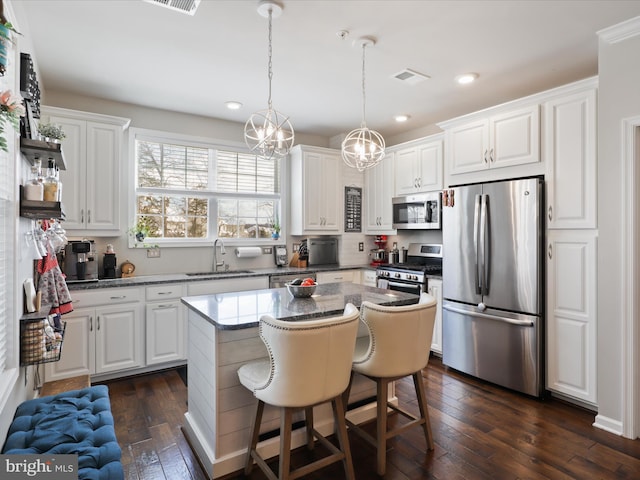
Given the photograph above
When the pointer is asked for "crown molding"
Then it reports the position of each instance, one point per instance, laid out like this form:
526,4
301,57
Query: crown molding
621,31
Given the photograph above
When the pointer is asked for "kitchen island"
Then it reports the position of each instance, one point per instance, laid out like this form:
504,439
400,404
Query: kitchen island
223,335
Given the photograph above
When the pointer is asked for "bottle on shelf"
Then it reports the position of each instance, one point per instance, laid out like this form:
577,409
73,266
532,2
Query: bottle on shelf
34,189
59,183
51,184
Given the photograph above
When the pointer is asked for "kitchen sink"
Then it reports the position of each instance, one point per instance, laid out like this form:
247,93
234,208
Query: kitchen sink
224,272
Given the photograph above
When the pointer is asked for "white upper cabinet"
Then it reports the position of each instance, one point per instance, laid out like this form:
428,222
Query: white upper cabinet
378,192
91,182
570,158
316,192
418,167
500,140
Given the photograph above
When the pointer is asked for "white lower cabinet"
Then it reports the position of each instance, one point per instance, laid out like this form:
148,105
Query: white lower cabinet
368,278
118,338
352,276
434,288
77,350
104,335
165,324
99,340
571,313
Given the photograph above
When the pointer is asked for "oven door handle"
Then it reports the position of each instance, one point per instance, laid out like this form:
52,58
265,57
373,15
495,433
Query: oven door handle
405,285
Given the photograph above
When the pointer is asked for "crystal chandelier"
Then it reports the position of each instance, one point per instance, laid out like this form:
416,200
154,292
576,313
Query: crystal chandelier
268,133
363,148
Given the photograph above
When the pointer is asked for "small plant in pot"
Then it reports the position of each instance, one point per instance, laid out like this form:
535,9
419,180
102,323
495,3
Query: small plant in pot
7,37
51,132
275,229
143,227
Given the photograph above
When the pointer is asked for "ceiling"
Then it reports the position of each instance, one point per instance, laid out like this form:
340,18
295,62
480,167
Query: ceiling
135,52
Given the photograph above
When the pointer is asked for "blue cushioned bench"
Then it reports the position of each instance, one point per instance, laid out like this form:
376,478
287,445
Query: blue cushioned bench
76,422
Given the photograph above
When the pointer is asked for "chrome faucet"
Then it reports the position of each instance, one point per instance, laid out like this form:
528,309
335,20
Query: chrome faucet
217,264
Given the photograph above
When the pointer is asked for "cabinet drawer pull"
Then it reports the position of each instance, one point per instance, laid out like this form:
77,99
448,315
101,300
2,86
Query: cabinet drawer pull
164,306
119,297
165,293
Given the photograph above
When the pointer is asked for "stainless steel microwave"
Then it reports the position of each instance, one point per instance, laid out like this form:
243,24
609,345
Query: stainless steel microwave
418,212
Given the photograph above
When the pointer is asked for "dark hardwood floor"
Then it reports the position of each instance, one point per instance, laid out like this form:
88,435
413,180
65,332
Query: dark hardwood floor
481,432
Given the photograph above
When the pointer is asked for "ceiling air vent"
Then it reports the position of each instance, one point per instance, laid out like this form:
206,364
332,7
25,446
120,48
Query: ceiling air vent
184,6
411,77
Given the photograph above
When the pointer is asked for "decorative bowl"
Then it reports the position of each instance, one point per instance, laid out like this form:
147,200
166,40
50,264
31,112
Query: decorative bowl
299,291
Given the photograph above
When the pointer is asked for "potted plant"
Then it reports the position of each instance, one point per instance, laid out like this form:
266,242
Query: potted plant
6,38
142,228
51,132
275,229
11,109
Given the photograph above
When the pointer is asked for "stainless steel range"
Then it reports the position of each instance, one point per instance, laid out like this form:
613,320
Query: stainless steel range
412,277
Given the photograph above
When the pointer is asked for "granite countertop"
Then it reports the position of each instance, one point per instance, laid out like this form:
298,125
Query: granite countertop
239,310
184,277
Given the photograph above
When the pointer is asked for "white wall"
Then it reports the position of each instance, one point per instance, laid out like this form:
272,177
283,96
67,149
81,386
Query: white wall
22,389
618,98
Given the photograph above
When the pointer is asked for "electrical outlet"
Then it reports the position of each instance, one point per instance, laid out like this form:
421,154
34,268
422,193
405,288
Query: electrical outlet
153,252
267,250
361,247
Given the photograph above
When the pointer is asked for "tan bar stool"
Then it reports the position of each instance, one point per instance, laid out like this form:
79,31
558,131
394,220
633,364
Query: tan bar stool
309,364
398,345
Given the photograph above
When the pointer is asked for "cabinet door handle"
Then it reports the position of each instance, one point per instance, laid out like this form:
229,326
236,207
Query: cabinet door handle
119,297
88,216
491,157
485,156
419,182
550,252
98,326
550,213
91,324
82,215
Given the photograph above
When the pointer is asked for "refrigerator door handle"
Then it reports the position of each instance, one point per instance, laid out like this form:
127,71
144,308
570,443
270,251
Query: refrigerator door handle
511,321
476,241
484,285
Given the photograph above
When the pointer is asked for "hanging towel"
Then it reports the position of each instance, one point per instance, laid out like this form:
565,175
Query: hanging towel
52,285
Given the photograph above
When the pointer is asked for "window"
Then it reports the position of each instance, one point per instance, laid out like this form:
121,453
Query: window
7,249
187,191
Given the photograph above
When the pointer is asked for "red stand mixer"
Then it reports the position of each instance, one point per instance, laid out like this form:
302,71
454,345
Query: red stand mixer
379,255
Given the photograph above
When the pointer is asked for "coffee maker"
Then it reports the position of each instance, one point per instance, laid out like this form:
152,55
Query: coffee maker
80,261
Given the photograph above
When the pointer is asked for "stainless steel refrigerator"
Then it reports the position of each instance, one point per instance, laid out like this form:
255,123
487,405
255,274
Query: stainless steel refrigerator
493,300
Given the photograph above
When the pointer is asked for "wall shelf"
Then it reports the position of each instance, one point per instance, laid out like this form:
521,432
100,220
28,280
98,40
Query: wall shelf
44,151
40,210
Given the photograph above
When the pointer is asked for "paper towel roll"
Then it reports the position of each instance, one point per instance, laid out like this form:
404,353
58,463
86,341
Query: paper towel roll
248,252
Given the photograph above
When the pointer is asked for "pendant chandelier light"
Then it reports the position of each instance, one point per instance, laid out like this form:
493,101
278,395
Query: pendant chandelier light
363,148
268,133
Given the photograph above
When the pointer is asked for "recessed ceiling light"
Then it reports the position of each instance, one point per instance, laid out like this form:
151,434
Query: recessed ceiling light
401,118
233,105
466,78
